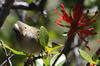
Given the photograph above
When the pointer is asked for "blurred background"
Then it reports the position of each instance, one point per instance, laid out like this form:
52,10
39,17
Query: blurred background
46,19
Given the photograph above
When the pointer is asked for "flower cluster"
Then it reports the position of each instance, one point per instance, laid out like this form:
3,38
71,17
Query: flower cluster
77,21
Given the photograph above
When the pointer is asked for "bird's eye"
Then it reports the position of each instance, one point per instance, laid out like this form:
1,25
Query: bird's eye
25,27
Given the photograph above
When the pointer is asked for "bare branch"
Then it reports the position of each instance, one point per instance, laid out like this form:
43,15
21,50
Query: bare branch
6,60
5,11
24,6
5,51
39,5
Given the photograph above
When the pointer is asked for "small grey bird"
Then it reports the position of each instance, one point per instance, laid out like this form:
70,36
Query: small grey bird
27,37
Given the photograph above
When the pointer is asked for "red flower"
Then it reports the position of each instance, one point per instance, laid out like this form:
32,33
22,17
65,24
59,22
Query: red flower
76,20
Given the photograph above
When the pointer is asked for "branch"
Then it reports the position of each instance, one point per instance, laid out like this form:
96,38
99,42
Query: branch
5,51
39,5
24,6
33,6
6,60
5,11
67,47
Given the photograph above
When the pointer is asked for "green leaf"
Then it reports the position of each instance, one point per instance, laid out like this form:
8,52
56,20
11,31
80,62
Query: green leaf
46,62
56,47
50,43
97,61
49,49
43,37
54,52
60,61
85,56
14,51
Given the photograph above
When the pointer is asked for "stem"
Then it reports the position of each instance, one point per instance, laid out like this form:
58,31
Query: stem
67,47
98,52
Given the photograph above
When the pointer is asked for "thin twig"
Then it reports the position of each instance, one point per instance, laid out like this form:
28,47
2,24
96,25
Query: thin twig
98,52
5,51
6,60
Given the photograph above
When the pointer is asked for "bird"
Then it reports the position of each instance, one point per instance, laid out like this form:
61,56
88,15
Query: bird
27,37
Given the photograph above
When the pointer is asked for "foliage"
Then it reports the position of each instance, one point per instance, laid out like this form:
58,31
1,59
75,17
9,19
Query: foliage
88,58
43,37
